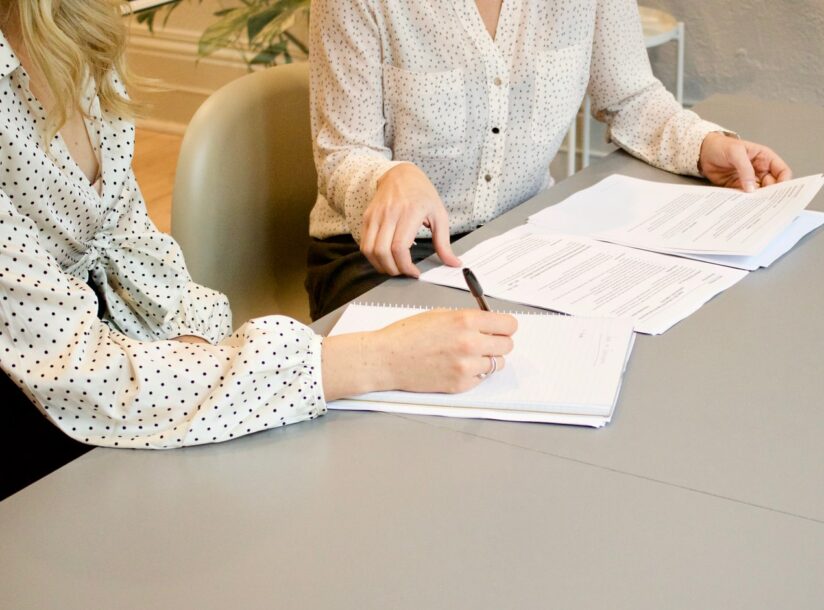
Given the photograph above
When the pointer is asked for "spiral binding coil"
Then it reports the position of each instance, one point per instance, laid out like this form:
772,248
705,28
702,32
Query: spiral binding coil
423,308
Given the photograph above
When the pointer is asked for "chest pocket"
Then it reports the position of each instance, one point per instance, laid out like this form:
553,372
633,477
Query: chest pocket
425,112
560,81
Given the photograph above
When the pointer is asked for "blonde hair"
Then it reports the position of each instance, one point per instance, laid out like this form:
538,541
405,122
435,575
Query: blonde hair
72,41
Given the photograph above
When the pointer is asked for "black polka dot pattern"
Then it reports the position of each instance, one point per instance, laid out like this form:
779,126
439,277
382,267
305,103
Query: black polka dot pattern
424,82
120,381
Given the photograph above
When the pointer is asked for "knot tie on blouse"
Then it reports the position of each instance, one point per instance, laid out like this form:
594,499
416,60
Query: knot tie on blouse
119,263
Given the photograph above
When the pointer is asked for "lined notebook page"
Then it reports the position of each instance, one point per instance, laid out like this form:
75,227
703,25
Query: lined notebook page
560,364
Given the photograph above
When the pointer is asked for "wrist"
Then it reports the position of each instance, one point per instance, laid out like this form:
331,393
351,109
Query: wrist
379,354
356,363
191,339
398,170
706,143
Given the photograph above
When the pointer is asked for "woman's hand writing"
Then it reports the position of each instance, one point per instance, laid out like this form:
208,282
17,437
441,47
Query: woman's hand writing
436,351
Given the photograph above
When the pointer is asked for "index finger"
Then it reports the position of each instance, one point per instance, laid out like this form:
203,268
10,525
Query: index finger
405,232
439,224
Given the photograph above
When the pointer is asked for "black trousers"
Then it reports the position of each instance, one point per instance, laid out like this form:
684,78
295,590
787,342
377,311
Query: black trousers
337,272
31,446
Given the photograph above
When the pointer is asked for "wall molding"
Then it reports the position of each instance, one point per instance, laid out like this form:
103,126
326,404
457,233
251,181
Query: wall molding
160,126
169,56
181,43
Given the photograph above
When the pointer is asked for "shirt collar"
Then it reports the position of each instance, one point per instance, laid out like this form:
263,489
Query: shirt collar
8,60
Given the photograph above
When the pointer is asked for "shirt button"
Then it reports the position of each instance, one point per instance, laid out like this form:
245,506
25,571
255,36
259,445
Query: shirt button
488,178
498,82
496,130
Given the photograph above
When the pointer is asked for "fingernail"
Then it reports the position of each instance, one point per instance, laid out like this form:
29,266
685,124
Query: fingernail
749,186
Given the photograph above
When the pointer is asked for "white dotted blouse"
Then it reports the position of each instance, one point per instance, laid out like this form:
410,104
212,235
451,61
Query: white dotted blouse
423,81
119,380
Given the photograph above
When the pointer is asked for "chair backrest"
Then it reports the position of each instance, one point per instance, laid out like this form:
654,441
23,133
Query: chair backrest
244,187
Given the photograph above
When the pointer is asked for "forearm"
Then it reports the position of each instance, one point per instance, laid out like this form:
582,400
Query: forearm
355,363
436,351
191,339
165,394
350,182
653,127
643,117
102,387
347,106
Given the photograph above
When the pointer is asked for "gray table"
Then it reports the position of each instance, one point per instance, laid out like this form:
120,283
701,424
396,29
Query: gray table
706,491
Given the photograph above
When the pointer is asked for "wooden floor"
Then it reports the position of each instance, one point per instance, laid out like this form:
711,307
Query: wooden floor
155,161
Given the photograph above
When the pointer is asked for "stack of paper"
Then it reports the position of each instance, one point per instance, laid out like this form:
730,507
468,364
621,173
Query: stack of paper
607,250
563,370
718,225
584,277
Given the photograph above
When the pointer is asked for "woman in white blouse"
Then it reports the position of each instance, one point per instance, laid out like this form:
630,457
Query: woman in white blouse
103,329
432,117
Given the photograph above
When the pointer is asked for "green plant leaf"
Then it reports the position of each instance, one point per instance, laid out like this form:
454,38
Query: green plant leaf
269,55
147,17
260,20
277,26
265,24
224,31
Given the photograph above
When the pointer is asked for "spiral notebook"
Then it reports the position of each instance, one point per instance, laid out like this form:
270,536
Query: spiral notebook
564,370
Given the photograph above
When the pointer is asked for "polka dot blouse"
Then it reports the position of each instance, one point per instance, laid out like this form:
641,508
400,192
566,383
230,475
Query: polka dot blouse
118,380
423,81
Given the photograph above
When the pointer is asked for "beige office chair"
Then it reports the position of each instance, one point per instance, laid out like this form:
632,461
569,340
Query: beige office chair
245,184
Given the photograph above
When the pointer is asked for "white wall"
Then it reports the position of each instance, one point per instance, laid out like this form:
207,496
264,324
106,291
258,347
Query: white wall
768,49
764,48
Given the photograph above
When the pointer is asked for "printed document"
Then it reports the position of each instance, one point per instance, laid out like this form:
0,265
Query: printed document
807,222
681,219
584,277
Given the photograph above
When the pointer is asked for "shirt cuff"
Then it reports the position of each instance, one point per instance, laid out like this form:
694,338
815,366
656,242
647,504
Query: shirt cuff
182,331
283,347
371,170
203,313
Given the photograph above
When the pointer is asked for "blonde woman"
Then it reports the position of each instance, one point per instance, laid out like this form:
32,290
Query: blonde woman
103,330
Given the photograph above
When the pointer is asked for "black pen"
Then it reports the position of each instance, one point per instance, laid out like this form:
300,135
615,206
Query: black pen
475,288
